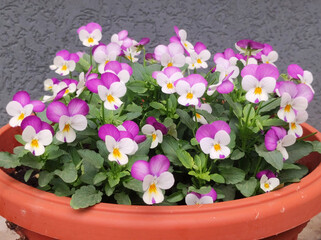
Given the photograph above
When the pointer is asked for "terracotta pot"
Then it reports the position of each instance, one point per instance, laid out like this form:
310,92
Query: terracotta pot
284,212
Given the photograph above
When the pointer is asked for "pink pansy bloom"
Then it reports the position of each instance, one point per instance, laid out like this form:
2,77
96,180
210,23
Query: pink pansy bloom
118,143
50,83
277,139
122,70
122,39
194,198
228,54
267,55
36,134
259,81
295,127
198,57
181,37
109,89
155,177
131,52
103,54
202,106
83,79
171,55
167,78
214,138
90,35
69,86
190,89
154,129
247,46
294,98
21,106
70,118
142,42
268,184
267,173
133,129
296,72
64,62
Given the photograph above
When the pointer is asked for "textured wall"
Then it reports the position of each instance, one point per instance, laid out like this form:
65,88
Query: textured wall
31,32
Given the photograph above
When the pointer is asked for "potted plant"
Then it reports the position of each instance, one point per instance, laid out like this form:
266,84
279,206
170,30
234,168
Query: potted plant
162,132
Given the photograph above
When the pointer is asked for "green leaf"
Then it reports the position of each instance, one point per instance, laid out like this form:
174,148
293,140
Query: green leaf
20,151
237,107
28,175
293,175
122,198
227,190
175,197
298,151
8,160
53,152
133,115
247,187
95,158
200,161
316,146
134,108
170,147
102,149
157,105
18,137
217,178
137,86
204,176
84,197
138,71
44,178
99,178
248,112
32,161
108,189
232,175
186,118
185,158
273,122
89,172
237,154
113,179
194,142
290,166
60,187
274,158
68,173
202,190
134,184
270,105
172,102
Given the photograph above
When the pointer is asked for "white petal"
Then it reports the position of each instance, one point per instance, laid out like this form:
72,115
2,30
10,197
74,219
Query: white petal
273,56
78,122
117,89
103,92
222,137
205,55
308,77
126,145
283,152
83,35
70,136
274,182
249,82
96,34
206,200
159,136
28,134
191,199
225,152
288,140
124,76
59,61
165,59
44,137
268,84
14,108
179,60
165,180
251,96
148,129
154,143
110,143
63,120
176,76
157,197
39,150
162,79
207,144
182,87
198,90
300,103
148,179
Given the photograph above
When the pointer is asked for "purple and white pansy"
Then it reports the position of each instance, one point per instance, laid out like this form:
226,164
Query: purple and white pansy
167,78
109,88
181,37
296,72
64,62
103,54
21,106
202,106
37,134
90,35
155,177
277,139
214,138
198,57
171,55
259,81
294,98
70,118
133,129
83,78
154,129
194,198
295,127
122,70
190,89
119,143
268,180
122,39
50,83
131,52
249,47
267,55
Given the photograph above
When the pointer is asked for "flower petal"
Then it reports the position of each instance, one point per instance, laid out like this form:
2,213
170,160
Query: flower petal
158,164
78,106
165,180
55,110
140,169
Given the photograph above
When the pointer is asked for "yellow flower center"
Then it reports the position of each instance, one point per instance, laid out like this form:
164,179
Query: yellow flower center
129,57
266,185
67,91
152,188
90,40
293,126
21,116
34,143
185,44
116,153
66,128
198,116
287,108
110,98
64,67
267,62
107,61
170,86
170,64
199,61
154,137
189,95
217,147
258,91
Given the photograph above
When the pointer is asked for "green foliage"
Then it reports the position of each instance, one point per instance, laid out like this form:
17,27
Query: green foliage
8,160
85,196
274,158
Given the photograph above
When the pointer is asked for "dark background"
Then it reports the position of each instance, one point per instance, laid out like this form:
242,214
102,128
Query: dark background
31,32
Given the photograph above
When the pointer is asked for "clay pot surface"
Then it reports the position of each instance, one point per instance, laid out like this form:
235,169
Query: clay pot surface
284,212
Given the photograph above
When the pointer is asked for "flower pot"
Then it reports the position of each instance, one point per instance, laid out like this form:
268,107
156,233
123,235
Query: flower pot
281,214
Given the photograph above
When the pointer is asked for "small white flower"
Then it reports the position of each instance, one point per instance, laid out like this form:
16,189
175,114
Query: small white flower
67,125
217,147
18,112
36,142
157,135
268,184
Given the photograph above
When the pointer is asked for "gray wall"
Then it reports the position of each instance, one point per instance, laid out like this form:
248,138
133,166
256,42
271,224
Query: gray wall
31,32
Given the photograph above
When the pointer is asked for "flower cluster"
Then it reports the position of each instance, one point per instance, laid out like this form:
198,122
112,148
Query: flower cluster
129,127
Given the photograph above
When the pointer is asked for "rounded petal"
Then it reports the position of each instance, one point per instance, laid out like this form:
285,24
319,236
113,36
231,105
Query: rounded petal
109,78
108,129
140,169
38,106
127,145
288,140
191,199
118,89
55,110
300,103
78,106
268,83
249,82
78,122
148,129
14,108
294,70
158,164
249,70
222,137
45,137
271,140
175,49
33,121
113,66
28,134
165,180
204,131
131,127
198,89
304,91
221,125
207,144
22,97
267,70
225,87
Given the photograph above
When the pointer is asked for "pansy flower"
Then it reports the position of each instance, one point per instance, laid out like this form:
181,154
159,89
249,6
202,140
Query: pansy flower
294,98
37,134
167,78
277,139
118,143
249,47
83,78
131,52
122,70
103,54
122,39
133,129
90,35
190,89
155,177
267,184
267,173
69,86
194,198
295,127
21,106
214,138
109,88
202,106
64,62
154,129
296,72
267,55
171,55
259,81
198,57
70,118
50,83
181,37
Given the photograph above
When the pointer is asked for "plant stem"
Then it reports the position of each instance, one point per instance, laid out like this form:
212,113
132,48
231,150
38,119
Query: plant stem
144,56
103,112
91,56
196,123
70,75
307,136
